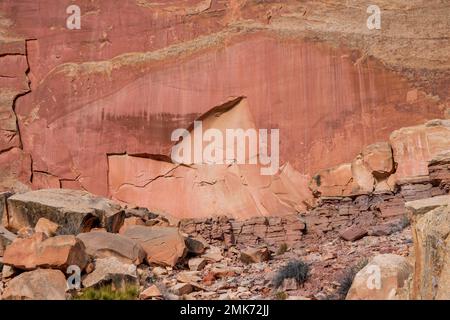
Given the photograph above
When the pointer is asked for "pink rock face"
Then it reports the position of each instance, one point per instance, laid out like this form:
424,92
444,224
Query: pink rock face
13,82
378,159
333,182
15,170
137,116
202,190
415,146
109,96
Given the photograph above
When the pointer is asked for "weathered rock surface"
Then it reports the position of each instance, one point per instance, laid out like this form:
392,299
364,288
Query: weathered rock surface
22,253
104,244
75,211
194,246
439,169
151,292
111,271
197,264
181,289
56,252
255,255
258,230
422,206
336,181
431,233
117,79
162,245
383,278
205,190
3,207
353,233
41,284
414,147
6,238
46,226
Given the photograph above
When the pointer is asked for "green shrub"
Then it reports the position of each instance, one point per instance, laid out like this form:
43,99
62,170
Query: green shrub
109,293
295,269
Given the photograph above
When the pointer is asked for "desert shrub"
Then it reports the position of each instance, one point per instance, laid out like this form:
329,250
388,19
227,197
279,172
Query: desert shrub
282,248
295,269
346,280
107,292
281,295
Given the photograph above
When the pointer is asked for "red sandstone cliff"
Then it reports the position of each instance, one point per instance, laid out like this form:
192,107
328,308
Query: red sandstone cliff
80,108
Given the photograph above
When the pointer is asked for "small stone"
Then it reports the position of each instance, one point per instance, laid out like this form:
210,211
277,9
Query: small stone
353,233
188,277
25,232
194,246
151,292
213,254
159,271
131,221
290,284
47,227
197,264
90,267
297,298
181,289
255,255
8,272
6,238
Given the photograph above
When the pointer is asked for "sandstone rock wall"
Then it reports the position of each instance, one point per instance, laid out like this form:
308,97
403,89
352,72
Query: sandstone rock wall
431,232
137,70
335,213
254,231
377,214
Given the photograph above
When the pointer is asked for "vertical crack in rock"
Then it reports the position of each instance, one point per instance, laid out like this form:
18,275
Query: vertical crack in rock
15,165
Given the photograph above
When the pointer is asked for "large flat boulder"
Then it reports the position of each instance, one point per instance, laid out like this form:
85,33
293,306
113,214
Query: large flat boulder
104,244
111,270
74,210
383,278
57,252
41,284
422,206
162,245
431,234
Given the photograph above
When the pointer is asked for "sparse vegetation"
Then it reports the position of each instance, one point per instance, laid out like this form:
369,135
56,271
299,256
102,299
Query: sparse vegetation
107,292
347,278
281,295
282,249
295,269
